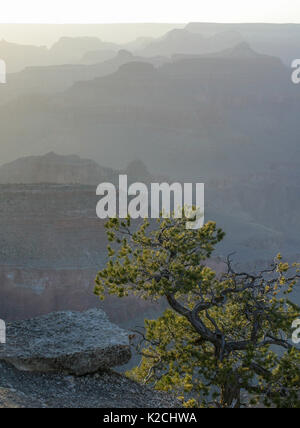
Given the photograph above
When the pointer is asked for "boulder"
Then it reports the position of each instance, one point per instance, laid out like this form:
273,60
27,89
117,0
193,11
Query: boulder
78,343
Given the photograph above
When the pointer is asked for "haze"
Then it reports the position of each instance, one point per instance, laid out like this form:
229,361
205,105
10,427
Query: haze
164,14
202,102
134,11
34,11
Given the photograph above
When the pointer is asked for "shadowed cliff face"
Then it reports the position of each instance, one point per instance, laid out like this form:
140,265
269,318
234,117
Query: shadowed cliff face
52,244
51,247
27,292
50,226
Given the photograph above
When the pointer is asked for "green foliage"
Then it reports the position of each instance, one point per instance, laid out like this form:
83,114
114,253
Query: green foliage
225,335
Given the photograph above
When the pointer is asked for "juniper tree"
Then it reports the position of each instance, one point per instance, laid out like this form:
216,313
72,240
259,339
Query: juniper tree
223,334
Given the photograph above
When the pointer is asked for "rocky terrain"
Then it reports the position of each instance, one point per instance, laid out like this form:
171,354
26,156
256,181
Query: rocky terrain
65,360
101,390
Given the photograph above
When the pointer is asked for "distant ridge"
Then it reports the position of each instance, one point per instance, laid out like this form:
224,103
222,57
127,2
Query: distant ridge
182,41
280,40
240,51
67,50
70,169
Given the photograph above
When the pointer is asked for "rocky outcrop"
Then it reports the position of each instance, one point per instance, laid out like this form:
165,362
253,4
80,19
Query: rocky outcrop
73,342
64,360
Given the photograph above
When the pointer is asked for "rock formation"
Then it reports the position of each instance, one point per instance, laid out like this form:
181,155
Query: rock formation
73,342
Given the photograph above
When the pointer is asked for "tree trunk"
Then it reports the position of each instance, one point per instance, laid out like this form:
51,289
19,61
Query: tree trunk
231,396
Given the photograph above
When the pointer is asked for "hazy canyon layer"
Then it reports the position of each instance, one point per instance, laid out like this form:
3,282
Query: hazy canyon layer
210,103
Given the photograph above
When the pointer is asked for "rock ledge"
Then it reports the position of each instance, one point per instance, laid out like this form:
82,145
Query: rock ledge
78,343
